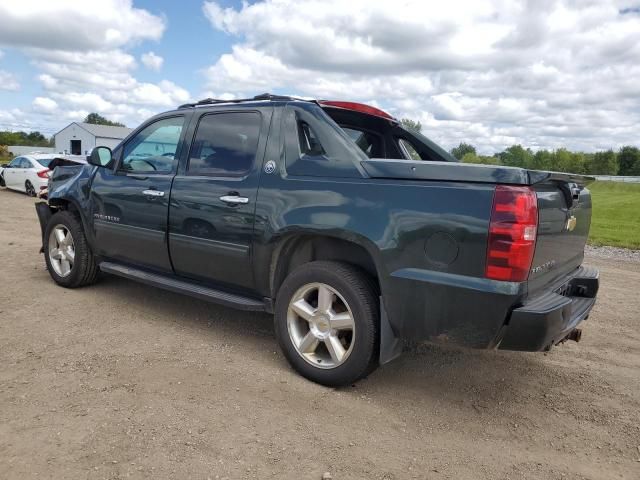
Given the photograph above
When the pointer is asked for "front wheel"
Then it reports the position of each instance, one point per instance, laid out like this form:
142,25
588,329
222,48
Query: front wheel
327,319
69,259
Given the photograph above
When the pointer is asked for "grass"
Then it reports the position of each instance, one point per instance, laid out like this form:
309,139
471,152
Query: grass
616,214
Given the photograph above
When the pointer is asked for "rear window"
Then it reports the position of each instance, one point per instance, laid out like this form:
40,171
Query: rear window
369,143
409,150
44,161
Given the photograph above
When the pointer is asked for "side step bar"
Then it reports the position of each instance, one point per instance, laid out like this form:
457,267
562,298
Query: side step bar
180,286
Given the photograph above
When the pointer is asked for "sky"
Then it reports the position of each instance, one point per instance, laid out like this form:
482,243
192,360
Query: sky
541,73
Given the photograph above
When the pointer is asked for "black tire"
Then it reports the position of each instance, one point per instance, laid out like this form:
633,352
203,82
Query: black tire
29,189
2,184
359,293
84,270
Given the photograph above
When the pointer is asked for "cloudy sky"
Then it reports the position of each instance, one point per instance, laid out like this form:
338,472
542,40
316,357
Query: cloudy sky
542,73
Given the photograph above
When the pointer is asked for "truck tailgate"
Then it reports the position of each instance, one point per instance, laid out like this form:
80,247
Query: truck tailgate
564,218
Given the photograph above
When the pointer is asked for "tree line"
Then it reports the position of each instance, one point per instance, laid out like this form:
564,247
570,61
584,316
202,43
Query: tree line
625,161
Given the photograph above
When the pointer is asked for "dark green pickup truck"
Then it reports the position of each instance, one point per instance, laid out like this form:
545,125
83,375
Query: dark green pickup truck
353,231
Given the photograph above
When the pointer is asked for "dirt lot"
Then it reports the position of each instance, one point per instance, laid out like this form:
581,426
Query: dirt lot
120,380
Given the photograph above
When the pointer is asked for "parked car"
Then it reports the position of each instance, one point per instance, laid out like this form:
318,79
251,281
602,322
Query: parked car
27,173
274,204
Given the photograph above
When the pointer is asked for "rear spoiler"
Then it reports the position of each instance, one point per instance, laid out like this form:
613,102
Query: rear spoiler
538,176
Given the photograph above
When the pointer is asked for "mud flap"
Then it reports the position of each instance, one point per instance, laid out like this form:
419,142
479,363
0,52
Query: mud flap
44,215
390,345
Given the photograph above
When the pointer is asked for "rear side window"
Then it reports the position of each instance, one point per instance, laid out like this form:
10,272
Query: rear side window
225,144
309,142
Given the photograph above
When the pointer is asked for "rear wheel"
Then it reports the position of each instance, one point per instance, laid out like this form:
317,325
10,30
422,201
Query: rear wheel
69,259
327,321
29,189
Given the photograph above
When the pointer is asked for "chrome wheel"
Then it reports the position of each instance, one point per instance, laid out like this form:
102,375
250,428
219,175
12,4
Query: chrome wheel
62,250
321,325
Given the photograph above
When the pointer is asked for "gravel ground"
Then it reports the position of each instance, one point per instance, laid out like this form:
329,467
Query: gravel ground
120,380
613,253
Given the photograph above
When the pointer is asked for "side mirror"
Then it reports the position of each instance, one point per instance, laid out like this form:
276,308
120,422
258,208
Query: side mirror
100,156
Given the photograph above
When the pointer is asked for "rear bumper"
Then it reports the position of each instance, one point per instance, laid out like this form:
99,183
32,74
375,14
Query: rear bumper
546,319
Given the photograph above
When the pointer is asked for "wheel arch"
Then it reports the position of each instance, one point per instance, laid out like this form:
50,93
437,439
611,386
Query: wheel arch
295,249
69,204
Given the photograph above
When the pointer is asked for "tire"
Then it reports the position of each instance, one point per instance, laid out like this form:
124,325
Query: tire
83,269
353,304
2,183
29,190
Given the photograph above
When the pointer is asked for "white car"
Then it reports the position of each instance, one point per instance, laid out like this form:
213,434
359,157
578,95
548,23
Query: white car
27,173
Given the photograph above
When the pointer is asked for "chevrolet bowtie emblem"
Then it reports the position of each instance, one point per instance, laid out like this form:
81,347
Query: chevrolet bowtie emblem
571,223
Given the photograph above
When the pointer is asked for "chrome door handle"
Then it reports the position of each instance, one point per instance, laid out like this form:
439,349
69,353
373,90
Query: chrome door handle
235,199
153,193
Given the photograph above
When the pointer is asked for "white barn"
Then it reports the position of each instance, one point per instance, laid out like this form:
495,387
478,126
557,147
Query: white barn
80,138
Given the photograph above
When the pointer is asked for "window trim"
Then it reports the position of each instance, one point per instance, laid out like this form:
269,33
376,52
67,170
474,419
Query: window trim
185,125
240,175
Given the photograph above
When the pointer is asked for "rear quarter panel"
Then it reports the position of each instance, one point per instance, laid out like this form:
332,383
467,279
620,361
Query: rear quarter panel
427,239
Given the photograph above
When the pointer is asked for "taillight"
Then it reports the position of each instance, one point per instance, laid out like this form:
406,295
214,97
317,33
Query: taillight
512,233
44,173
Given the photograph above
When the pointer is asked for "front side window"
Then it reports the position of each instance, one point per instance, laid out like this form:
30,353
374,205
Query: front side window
16,163
225,144
154,148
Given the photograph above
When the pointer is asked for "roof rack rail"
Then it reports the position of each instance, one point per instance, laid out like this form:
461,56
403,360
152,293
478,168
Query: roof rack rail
264,96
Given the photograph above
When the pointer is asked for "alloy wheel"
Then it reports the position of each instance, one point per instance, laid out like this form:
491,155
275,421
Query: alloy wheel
321,325
62,250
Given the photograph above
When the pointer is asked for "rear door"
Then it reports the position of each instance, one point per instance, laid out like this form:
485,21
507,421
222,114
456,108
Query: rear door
213,198
130,205
564,218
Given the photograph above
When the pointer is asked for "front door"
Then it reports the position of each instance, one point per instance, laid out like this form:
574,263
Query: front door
14,174
130,204
213,199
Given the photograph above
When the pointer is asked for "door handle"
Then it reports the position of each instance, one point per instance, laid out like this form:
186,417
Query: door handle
235,199
153,193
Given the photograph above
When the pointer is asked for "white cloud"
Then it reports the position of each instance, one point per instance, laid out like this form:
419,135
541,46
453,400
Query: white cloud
76,24
81,52
8,81
546,74
152,61
45,105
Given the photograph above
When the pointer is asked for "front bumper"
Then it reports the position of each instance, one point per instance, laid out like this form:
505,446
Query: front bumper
546,319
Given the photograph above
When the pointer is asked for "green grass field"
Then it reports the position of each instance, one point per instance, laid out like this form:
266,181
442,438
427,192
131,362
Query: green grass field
616,214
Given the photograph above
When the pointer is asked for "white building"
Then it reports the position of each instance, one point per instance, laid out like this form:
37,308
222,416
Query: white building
80,138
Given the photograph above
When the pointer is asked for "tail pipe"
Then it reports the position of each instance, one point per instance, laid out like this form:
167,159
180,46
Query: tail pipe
575,335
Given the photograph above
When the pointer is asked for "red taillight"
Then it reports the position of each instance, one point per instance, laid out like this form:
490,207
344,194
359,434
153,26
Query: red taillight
512,233
356,107
43,173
